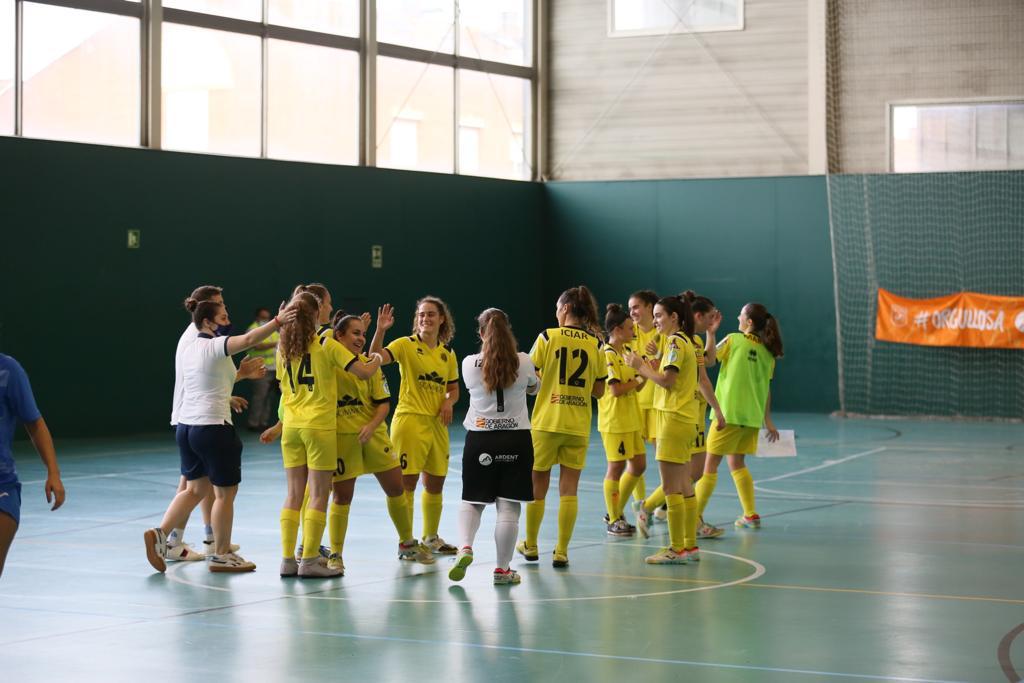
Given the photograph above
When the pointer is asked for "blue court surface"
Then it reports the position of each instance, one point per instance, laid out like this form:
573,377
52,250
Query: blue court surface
891,551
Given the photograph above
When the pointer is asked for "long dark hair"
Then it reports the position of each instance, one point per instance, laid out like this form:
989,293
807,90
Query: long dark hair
681,307
582,306
766,327
499,352
296,337
614,315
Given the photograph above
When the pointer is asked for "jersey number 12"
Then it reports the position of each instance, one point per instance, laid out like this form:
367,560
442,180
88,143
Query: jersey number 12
576,379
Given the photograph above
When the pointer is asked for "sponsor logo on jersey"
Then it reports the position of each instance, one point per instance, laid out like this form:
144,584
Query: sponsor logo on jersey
419,351
752,356
444,357
347,401
486,459
498,423
432,377
567,400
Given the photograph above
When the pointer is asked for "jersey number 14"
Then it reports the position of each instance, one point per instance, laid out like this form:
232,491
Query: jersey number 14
304,375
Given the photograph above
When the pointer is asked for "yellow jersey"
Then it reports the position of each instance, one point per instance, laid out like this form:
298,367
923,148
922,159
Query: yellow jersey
358,399
309,387
681,400
702,407
426,374
618,414
570,361
640,340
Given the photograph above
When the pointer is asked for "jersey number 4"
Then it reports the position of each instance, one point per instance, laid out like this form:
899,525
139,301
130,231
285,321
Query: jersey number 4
576,379
305,374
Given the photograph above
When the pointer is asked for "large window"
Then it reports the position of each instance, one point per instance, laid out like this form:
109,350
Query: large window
653,17
962,136
433,85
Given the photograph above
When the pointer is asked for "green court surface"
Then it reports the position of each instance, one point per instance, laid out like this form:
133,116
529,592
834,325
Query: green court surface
891,551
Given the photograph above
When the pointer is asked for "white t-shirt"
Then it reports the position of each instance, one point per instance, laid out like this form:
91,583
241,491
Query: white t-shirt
186,338
208,374
504,409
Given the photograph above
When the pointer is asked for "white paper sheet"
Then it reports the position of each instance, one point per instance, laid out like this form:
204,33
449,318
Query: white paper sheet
785,447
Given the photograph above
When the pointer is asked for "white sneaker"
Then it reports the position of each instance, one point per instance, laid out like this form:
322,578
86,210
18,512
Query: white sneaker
183,552
335,562
506,577
289,567
313,568
414,551
209,545
156,547
642,520
438,546
229,563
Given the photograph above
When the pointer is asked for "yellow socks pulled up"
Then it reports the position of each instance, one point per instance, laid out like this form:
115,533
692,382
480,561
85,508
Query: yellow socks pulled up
289,531
312,532
676,521
704,488
611,499
568,506
398,510
410,504
337,526
431,503
654,501
534,516
690,522
640,492
745,489
627,485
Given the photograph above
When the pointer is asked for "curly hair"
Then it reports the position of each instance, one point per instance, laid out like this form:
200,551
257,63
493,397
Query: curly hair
296,337
446,332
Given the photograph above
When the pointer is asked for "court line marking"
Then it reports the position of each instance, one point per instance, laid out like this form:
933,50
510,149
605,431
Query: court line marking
910,484
981,504
824,465
1003,654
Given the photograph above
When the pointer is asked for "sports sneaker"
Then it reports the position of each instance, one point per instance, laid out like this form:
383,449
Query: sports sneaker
708,531
313,568
208,546
529,552
229,562
642,520
289,567
692,554
620,528
156,547
183,552
325,553
744,522
335,562
438,546
414,551
667,556
559,559
661,514
462,560
506,577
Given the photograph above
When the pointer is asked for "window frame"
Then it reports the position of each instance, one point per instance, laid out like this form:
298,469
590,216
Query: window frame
640,32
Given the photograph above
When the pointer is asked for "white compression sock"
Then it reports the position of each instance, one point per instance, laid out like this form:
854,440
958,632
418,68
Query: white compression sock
469,522
506,530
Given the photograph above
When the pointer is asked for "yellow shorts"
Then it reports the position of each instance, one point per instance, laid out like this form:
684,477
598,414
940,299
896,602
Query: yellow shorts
700,444
422,444
676,439
733,440
553,448
649,423
354,458
620,447
314,448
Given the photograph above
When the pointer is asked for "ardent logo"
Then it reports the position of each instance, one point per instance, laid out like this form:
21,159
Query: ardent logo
486,459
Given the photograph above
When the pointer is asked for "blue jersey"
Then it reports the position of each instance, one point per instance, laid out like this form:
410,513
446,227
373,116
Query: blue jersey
16,403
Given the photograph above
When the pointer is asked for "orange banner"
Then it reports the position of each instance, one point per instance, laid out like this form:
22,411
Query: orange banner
964,319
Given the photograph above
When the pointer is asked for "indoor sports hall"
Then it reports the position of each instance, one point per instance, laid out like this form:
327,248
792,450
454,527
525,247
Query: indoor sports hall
856,166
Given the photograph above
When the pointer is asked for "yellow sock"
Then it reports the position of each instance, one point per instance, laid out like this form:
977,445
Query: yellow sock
289,531
534,516
398,510
690,522
676,521
640,492
410,504
568,506
337,526
654,501
312,532
745,489
627,484
431,503
611,499
704,488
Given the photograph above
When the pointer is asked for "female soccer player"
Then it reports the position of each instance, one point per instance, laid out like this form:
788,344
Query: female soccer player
748,365
306,367
364,447
211,452
620,421
429,389
498,457
675,400
17,404
641,310
572,369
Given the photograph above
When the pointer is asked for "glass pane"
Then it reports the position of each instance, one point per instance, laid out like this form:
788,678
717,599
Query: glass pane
957,137
415,114
313,103
326,16
426,24
81,76
211,91
494,125
497,30
7,68
240,9
650,16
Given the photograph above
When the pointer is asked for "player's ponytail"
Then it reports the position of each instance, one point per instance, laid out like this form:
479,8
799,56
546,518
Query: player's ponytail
614,316
766,327
680,307
341,321
699,304
582,306
498,351
199,294
296,337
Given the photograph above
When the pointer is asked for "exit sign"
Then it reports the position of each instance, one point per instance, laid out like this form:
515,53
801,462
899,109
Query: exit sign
134,239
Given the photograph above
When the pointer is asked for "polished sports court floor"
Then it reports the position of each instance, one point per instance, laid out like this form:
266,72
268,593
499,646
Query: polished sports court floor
891,551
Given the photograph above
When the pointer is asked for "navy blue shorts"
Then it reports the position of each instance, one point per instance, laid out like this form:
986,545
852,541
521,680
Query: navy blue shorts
10,500
213,451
